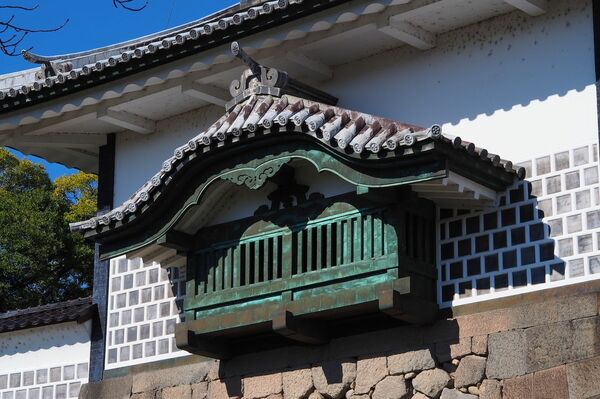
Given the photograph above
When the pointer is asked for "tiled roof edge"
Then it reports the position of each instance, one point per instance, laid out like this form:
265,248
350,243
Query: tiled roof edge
346,129
79,310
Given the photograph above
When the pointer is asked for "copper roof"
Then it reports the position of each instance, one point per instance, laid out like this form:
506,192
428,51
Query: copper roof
353,133
78,310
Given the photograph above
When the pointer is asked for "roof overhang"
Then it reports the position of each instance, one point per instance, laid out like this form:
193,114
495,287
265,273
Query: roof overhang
116,89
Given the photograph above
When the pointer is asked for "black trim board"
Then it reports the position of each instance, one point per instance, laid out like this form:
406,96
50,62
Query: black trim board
106,178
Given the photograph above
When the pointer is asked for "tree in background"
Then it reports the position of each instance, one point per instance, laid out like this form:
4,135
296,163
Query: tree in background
41,261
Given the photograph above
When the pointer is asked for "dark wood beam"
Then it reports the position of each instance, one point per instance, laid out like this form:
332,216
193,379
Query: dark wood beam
176,240
301,330
215,348
407,307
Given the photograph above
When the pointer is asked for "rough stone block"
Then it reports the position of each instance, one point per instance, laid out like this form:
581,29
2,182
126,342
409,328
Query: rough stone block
448,350
333,378
419,395
542,313
456,394
147,395
551,383
431,382
200,390
583,378
110,388
507,355
153,379
490,389
262,385
482,323
391,387
406,362
518,387
369,372
470,371
297,383
479,345
179,392
224,389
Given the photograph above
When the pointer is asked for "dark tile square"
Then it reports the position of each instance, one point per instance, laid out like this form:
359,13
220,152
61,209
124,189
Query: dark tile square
491,263
517,235
473,266
501,282
464,247
517,195
500,239
546,252
456,228
456,270
473,225
447,251
509,259
483,285
508,217
465,289
447,293
519,278
526,213
527,255
538,275
490,221
482,243
536,232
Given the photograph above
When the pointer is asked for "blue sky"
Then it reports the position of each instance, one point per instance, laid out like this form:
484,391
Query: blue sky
94,23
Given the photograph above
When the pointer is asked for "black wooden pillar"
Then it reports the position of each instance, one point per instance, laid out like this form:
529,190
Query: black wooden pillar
106,173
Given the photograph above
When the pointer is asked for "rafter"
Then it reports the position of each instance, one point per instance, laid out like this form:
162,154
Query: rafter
204,92
531,7
318,69
409,34
127,120
58,140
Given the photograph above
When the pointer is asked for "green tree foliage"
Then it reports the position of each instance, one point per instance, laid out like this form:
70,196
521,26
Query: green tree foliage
41,261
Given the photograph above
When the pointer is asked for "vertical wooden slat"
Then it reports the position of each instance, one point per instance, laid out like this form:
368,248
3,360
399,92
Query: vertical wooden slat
368,236
235,265
210,283
329,246
276,257
227,259
266,258
356,239
347,241
219,270
339,243
286,256
319,242
309,247
257,261
377,235
300,245
247,264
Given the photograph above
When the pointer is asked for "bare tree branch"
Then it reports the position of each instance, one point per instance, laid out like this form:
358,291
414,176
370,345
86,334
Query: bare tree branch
12,34
125,5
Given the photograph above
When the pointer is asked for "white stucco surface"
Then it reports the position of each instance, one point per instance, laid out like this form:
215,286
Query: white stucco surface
51,361
45,346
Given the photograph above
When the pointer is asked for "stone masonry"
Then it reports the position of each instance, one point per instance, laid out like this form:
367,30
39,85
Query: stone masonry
538,345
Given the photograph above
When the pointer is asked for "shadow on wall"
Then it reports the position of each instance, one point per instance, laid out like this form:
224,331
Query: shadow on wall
487,67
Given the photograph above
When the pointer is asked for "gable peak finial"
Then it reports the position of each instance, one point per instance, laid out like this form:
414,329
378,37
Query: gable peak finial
259,79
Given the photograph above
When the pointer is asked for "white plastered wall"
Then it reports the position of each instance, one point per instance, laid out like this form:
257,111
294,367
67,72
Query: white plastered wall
51,361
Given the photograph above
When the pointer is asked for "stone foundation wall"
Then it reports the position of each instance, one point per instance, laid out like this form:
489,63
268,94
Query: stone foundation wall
537,345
